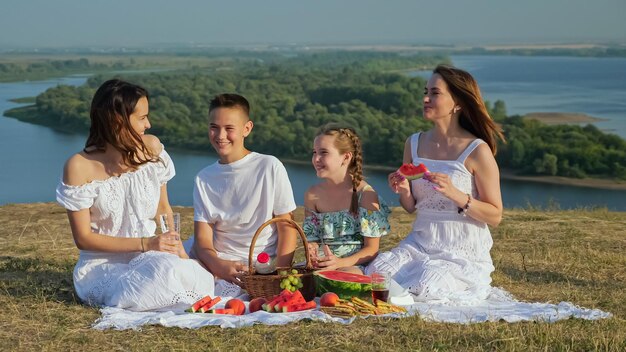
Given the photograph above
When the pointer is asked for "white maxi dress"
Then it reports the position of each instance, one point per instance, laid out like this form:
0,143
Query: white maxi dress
124,206
446,255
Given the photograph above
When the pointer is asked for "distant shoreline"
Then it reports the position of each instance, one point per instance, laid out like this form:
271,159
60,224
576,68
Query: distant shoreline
597,183
562,118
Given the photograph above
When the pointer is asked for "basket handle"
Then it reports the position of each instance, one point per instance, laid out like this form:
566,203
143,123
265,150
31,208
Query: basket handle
269,222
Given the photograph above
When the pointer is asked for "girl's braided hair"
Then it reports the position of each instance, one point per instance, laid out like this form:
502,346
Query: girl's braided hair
347,141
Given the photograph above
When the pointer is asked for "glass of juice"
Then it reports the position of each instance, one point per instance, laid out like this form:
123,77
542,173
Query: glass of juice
380,286
170,222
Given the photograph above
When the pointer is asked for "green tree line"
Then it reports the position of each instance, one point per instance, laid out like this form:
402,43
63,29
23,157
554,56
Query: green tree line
291,97
12,71
564,150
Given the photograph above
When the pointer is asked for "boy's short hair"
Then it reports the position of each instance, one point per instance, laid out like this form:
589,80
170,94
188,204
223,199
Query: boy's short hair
229,100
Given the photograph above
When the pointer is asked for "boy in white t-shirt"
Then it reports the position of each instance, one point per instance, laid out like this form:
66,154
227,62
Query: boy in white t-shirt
234,196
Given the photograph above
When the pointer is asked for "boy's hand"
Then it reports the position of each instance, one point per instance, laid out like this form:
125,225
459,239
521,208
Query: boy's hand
230,271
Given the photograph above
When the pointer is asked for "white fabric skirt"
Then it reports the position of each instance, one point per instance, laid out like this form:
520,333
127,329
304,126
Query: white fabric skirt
446,256
148,281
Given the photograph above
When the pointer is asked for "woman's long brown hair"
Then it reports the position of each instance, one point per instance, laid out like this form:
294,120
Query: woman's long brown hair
474,116
111,107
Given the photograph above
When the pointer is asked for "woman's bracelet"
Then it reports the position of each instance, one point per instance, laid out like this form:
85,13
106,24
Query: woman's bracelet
465,208
142,248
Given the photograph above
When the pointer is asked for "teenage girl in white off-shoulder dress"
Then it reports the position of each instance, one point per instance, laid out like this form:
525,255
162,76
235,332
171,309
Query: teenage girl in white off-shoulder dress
112,191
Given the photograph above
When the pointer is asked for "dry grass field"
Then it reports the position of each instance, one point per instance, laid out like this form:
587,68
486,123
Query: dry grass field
547,256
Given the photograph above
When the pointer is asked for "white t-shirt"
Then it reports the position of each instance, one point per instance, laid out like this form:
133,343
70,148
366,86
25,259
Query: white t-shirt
237,198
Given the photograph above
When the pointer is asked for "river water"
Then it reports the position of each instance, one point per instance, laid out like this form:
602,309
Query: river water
32,156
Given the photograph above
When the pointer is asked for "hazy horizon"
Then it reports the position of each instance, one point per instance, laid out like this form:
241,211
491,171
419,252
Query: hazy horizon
73,23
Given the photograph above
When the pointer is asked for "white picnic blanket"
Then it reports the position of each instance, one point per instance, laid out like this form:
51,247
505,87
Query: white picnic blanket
500,306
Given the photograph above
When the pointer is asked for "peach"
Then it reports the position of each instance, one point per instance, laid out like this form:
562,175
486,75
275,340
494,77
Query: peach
236,305
256,304
329,299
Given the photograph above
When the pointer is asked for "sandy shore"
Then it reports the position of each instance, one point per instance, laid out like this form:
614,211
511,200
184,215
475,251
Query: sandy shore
559,180
560,118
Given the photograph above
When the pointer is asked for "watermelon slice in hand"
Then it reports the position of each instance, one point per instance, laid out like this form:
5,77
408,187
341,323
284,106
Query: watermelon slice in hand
412,172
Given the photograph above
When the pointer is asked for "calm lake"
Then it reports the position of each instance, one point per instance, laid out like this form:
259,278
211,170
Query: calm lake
32,156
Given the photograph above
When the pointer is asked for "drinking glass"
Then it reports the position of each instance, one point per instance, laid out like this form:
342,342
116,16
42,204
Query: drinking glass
380,286
170,222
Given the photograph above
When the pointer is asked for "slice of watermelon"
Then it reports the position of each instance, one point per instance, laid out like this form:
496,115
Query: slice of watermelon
222,311
345,285
205,308
299,307
282,297
265,305
196,306
412,172
296,298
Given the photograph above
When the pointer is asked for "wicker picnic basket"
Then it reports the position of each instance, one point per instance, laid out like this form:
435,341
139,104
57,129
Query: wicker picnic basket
268,285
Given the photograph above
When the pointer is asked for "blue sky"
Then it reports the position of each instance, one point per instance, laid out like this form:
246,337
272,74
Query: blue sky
59,23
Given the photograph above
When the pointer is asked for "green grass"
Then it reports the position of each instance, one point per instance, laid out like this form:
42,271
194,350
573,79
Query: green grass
545,256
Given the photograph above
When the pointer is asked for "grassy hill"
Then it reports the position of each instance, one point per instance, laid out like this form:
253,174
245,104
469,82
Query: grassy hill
546,256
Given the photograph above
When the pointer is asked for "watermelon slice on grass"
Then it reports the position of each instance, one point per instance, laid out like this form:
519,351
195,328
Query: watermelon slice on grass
412,172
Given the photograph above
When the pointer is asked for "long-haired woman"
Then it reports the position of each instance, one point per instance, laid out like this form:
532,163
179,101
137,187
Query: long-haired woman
112,190
446,255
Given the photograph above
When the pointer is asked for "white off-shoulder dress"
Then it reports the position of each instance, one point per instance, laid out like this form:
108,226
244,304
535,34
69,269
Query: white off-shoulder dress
446,255
124,206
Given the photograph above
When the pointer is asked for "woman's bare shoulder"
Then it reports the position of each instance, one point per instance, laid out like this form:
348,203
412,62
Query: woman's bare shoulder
78,169
152,143
480,158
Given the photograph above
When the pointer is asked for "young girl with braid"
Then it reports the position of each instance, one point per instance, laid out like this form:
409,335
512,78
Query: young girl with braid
344,218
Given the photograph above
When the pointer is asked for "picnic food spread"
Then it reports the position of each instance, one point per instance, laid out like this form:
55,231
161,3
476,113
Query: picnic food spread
288,301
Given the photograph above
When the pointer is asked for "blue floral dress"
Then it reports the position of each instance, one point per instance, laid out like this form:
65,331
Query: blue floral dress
343,232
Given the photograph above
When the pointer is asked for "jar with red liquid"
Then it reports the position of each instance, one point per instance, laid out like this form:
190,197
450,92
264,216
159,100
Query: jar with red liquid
380,286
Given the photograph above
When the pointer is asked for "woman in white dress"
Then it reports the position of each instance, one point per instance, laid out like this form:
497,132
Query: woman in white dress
112,190
446,255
